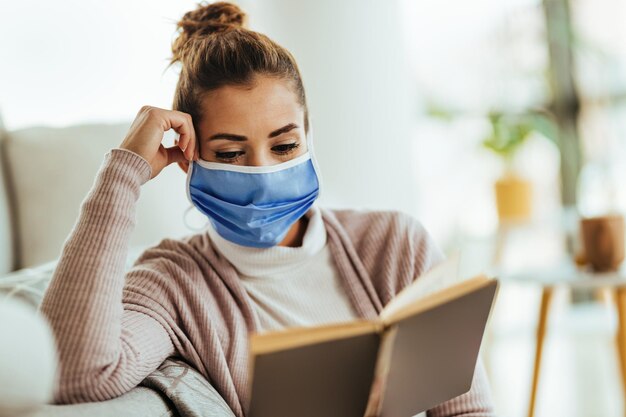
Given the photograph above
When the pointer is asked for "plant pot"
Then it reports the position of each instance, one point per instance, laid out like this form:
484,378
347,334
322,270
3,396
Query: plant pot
513,198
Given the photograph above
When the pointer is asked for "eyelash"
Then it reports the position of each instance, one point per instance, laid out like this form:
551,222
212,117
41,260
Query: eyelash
286,149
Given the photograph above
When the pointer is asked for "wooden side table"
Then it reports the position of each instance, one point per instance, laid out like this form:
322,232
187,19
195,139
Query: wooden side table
568,276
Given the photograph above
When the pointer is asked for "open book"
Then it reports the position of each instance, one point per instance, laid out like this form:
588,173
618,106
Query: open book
421,351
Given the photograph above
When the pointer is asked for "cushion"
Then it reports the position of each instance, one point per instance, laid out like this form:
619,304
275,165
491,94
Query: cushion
51,172
6,237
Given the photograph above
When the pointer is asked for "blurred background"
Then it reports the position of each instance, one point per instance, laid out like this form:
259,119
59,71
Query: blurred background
499,124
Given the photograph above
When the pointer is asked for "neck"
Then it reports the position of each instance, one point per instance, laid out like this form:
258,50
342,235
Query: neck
295,234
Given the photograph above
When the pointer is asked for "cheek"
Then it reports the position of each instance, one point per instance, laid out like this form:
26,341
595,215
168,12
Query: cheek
301,150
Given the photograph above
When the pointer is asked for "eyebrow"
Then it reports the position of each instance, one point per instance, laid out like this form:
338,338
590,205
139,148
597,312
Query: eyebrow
240,138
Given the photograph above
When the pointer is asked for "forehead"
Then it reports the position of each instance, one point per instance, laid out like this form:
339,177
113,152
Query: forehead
266,104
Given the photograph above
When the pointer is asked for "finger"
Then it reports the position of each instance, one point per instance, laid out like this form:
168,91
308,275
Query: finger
179,122
187,144
184,147
193,143
183,143
175,154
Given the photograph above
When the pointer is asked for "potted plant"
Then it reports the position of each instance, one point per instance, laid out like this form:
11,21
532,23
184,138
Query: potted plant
508,133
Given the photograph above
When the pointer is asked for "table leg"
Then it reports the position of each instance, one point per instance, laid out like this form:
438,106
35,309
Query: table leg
546,298
620,301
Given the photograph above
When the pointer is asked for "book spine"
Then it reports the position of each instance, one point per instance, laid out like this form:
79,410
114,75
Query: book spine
383,364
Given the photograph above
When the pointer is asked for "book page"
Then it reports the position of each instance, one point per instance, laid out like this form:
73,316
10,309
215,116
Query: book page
443,275
301,336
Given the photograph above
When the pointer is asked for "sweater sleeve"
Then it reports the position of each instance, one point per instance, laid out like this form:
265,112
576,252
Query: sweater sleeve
104,350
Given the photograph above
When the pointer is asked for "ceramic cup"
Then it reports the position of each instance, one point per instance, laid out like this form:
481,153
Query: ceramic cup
603,241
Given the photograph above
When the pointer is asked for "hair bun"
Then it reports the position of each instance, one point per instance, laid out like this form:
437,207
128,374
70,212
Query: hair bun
206,20
211,18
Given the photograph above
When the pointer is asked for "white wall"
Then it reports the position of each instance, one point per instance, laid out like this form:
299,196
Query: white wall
71,61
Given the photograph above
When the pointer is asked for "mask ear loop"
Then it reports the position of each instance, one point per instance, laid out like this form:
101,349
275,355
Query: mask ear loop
195,229
309,144
191,205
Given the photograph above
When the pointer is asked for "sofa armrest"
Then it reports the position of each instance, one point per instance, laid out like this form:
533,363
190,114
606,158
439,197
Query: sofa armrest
138,402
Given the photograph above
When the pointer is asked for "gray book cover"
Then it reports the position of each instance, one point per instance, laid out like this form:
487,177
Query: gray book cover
435,354
330,379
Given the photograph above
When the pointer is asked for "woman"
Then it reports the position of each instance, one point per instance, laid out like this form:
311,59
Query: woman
241,114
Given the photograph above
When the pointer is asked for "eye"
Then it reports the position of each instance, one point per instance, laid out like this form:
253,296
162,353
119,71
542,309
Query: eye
228,156
285,148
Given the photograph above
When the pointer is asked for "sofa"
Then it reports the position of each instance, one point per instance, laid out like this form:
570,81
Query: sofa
45,173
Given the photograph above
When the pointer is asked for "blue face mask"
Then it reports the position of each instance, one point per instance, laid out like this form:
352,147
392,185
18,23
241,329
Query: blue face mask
254,205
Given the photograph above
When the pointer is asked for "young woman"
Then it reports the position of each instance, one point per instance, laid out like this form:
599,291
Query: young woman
271,258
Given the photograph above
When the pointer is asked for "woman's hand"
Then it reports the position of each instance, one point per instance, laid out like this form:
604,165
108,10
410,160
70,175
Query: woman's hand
146,133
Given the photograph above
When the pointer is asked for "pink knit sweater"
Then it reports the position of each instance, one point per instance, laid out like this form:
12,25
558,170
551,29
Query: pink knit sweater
113,327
